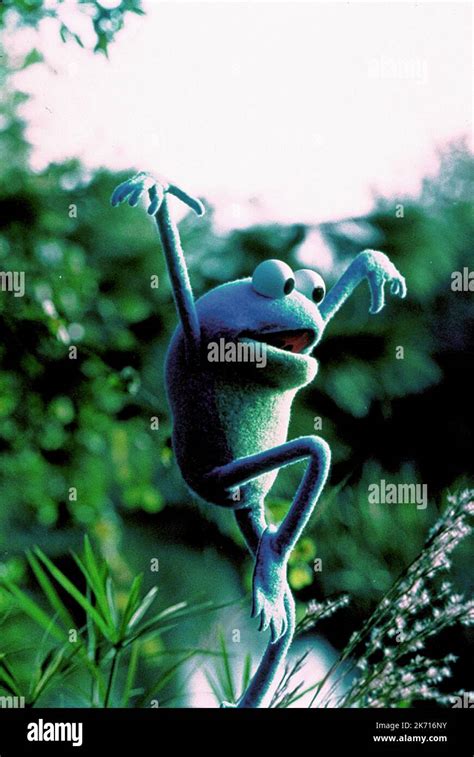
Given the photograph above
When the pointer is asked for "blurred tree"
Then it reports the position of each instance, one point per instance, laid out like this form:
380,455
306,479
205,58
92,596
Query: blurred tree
102,19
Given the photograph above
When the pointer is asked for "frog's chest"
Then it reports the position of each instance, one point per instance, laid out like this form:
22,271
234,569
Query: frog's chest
253,420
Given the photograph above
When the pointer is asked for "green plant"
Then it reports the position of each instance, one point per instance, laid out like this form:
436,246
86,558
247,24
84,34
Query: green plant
110,642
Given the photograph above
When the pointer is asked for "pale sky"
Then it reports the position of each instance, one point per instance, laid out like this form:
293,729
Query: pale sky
305,110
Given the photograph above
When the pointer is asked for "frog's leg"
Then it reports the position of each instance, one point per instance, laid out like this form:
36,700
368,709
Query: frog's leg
251,522
272,598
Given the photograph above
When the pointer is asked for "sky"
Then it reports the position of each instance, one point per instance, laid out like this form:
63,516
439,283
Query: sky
272,111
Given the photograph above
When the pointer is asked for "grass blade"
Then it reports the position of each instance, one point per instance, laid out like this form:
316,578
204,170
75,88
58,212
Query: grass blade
34,611
49,591
77,596
227,678
131,603
143,607
131,673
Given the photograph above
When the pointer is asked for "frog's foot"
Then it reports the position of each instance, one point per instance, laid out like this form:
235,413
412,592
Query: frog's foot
270,587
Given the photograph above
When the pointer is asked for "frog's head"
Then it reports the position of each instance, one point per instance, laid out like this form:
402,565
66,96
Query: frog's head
264,328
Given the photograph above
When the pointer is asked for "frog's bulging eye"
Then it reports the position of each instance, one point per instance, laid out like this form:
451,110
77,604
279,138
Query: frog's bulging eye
273,278
310,284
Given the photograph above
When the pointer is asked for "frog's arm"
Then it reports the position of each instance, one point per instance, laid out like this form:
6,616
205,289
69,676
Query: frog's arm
170,240
378,270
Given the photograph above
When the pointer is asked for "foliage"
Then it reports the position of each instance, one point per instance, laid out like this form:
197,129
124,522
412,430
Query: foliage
104,22
111,641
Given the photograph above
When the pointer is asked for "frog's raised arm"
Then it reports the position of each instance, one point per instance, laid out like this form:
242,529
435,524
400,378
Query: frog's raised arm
378,270
183,296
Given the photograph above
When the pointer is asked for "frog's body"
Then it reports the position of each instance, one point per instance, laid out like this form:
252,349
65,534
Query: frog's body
223,411
211,405
230,419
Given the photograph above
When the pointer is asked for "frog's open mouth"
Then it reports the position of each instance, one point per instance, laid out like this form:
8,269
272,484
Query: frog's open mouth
295,340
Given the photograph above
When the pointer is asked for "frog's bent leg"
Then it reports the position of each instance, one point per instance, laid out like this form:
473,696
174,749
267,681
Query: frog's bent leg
252,524
272,598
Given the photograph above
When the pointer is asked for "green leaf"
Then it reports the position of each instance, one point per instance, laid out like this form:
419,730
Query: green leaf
131,602
49,591
96,587
94,572
77,596
101,45
78,40
109,588
7,677
214,686
144,606
131,673
165,678
54,661
34,56
34,611
246,671
228,680
176,612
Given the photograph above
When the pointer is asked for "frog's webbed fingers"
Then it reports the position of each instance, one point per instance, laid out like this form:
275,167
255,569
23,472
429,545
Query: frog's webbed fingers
398,286
395,288
131,188
134,187
377,292
121,193
374,266
156,194
380,270
188,200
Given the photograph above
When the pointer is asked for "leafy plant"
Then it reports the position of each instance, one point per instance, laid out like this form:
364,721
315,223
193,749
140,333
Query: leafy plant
112,637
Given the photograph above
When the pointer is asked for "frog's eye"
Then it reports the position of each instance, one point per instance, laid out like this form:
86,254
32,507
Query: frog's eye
273,278
310,284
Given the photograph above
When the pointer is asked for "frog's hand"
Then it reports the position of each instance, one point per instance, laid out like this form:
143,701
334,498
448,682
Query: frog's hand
381,271
131,190
378,270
